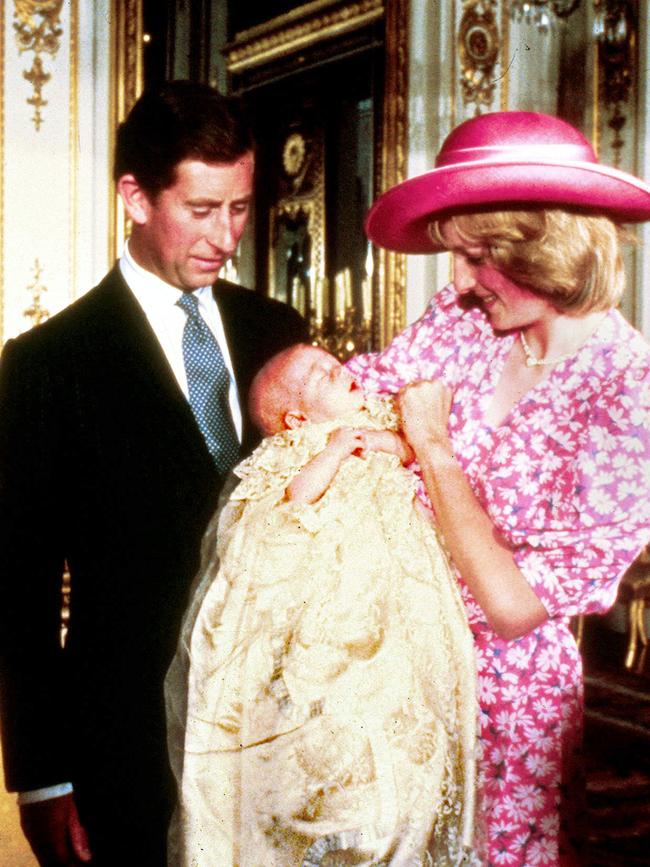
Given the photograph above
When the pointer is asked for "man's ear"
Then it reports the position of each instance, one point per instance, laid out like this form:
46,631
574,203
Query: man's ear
293,418
136,201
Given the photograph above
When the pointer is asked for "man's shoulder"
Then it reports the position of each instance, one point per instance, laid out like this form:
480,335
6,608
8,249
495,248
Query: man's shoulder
82,313
230,294
247,306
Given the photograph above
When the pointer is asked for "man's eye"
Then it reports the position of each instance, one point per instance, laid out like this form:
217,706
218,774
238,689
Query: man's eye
200,212
240,208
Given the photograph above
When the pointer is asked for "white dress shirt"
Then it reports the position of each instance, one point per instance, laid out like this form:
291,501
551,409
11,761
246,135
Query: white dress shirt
158,301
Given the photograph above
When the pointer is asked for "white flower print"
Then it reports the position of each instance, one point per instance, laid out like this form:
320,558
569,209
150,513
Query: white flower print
503,855
530,797
601,501
488,690
565,481
545,709
540,765
542,852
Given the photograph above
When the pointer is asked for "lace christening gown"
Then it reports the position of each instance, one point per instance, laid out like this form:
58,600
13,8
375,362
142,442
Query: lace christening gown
321,703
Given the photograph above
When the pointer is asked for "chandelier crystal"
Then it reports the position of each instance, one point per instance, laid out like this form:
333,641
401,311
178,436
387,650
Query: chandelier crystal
540,12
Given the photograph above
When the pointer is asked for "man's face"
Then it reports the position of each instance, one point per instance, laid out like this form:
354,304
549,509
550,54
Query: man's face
190,230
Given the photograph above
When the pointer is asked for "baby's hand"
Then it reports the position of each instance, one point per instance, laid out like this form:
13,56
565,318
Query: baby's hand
347,441
387,441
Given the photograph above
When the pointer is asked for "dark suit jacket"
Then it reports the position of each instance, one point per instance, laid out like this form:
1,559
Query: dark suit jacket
102,465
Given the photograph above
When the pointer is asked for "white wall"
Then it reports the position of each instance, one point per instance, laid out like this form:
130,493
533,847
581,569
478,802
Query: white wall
536,71
54,184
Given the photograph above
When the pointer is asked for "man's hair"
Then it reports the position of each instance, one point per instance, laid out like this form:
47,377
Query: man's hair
270,390
572,259
179,120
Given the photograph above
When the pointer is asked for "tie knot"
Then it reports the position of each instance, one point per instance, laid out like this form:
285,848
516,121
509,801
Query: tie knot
190,304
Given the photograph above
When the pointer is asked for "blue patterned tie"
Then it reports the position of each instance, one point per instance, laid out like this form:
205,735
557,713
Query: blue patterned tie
208,384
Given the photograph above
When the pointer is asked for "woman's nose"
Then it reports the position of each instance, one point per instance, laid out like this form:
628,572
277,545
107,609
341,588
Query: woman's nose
464,275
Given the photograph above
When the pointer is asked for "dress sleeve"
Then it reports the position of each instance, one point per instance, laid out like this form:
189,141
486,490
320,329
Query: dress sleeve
575,568
427,349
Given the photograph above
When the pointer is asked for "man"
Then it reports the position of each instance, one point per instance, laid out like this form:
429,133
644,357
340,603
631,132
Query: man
111,458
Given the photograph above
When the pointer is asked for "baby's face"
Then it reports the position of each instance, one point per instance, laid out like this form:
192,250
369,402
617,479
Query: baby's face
326,390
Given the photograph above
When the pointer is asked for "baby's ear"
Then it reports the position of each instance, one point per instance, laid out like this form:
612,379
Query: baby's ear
293,418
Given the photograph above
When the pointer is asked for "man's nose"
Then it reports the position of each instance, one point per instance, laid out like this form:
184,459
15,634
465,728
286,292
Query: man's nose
222,234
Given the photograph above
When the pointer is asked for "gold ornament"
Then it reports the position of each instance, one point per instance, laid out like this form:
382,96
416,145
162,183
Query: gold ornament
293,154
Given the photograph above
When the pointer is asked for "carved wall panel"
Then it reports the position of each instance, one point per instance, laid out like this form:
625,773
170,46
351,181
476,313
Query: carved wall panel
54,169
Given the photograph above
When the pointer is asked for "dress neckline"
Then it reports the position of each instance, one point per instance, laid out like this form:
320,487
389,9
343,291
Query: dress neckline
494,371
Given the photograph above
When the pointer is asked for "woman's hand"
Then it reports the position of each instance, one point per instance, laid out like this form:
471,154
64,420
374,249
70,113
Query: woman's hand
424,409
480,554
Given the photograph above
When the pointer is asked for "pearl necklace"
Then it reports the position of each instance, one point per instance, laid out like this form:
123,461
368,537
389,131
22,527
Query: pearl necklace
531,361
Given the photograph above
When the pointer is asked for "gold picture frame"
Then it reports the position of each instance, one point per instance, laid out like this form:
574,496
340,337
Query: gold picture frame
125,87
313,24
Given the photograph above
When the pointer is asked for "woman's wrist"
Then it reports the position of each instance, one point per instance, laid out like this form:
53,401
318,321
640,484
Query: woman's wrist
440,456
433,451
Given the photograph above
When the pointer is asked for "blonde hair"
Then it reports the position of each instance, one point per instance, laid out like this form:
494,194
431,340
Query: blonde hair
272,389
572,259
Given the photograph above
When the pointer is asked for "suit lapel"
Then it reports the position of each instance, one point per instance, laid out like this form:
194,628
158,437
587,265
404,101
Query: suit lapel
133,349
237,335
243,350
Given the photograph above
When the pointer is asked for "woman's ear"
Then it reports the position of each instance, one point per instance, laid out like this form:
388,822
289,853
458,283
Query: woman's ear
293,418
136,201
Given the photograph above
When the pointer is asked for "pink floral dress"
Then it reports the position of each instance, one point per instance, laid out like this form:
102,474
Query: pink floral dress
565,479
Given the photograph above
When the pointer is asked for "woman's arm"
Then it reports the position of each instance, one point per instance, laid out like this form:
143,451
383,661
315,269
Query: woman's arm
316,476
480,554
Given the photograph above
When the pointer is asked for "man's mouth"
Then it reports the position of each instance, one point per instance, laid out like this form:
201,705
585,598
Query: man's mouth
209,264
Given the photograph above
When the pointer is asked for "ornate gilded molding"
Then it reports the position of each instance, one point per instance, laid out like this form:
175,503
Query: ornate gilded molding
479,49
36,312
615,30
42,37
126,86
389,291
2,170
304,170
73,138
304,26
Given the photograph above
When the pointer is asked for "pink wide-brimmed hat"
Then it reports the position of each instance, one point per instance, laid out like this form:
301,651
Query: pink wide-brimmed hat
507,158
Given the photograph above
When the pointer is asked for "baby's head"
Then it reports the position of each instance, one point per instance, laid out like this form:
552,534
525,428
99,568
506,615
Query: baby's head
303,383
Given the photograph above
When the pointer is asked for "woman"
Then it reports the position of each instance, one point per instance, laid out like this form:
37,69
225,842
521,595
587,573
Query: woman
526,397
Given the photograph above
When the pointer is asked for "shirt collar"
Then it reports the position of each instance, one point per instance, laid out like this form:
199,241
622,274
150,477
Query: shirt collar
148,288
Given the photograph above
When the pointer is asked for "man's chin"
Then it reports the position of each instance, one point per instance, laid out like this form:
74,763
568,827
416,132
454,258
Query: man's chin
196,280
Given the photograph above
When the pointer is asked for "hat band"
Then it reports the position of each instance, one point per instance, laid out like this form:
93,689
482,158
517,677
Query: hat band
573,153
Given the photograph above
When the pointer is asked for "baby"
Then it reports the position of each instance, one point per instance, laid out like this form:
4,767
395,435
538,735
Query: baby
321,704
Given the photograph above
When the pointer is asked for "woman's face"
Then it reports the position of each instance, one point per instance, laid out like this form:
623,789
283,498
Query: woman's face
506,304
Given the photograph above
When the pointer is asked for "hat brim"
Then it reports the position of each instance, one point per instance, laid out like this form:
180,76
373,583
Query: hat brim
400,218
